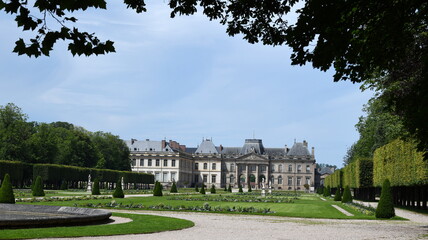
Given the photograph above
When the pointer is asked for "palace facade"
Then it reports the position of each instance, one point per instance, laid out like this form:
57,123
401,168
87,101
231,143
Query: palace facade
286,168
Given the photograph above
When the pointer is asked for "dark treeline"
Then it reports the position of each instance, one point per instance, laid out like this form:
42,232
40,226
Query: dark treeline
58,143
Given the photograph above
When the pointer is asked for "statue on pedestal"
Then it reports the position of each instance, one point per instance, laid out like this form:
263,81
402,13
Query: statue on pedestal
263,188
89,188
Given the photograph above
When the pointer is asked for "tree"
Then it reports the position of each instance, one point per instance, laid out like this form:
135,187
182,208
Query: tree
338,195
347,196
385,208
114,154
174,188
212,189
96,188
38,188
202,189
157,191
118,191
6,191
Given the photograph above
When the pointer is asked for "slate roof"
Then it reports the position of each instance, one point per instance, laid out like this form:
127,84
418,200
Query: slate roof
206,147
147,145
298,149
190,150
253,145
326,170
275,151
231,150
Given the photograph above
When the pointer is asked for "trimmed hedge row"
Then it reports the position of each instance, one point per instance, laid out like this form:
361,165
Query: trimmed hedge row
55,174
401,163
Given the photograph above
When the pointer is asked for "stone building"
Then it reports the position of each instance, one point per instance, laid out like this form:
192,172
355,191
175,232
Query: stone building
285,168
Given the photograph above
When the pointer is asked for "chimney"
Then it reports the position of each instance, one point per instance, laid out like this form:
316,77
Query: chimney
163,144
286,149
305,143
313,151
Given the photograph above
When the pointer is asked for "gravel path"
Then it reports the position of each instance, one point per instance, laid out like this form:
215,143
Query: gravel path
237,227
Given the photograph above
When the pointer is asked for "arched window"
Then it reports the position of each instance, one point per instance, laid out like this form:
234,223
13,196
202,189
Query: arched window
214,166
290,168
205,166
280,180
280,168
232,167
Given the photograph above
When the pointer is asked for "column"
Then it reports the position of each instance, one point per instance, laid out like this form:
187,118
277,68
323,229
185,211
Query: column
247,178
267,174
257,175
236,174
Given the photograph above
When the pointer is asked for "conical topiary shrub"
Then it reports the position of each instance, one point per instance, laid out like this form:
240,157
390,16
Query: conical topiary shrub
240,188
96,188
118,192
326,192
202,189
225,188
173,188
347,196
213,189
338,195
385,208
230,188
196,187
38,188
320,190
64,185
6,191
249,188
157,191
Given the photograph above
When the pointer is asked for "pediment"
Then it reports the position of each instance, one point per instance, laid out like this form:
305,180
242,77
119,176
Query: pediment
253,157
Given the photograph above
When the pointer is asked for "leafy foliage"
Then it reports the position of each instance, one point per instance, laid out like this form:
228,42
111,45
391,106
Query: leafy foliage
174,188
249,188
212,190
157,191
385,208
118,191
38,188
338,195
196,188
229,189
347,196
96,188
6,191
64,185
240,188
202,191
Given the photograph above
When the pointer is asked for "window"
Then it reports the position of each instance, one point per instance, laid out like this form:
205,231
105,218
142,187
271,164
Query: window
214,166
232,179
196,178
273,168
280,180
205,166
149,162
263,168
290,168
165,163
253,168
280,168
157,162
165,177
173,163
290,181
213,178
299,181
299,168
308,181
232,167
134,162
157,175
141,162
308,168
173,176
205,177
196,166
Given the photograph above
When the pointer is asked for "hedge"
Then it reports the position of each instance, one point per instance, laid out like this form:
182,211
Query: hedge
401,163
358,174
19,172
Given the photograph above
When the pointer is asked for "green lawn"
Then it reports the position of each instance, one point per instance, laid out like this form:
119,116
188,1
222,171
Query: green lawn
140,224
307,206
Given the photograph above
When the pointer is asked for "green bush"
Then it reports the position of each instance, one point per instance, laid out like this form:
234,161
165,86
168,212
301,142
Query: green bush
196,187
240,188
38,188
385,208
118,192
157,191
6,191
249,188
338,195
64,185
225,188
347,196
320,190
202,189
326,192
213,189
230,188
96,188
174,188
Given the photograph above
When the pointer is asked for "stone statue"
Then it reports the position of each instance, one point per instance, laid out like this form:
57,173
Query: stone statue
270,187
263,188
123,183
89,188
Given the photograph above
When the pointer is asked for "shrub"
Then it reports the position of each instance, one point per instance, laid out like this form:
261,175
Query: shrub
118,192
64,185
225,188
157,191
38,188
320,190
326,192
173,188
385,208
240,188
96,188
230,188
196,187
213,189
202,189
249,188
347,196
6,191
338,195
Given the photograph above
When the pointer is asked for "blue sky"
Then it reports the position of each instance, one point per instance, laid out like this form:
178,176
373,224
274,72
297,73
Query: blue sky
182,79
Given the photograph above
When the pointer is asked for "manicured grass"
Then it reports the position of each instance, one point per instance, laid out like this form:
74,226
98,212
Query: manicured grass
140,224
307,206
